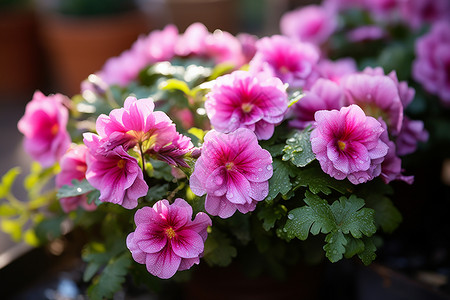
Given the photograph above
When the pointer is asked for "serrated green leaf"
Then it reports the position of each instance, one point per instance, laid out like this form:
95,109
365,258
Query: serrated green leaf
317,181
270,214
368,255
280,181
111,279
387,216
218,249
335,245
352,218
354,246
93,196
8,180
314,217
76,189
298,149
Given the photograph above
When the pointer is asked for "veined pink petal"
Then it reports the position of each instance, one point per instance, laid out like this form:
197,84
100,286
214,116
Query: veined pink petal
187,244
163,264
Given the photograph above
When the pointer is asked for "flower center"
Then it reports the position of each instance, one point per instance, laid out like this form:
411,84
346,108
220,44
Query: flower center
54,130
121,163
229,165
170,233
342,145
284,70
247,107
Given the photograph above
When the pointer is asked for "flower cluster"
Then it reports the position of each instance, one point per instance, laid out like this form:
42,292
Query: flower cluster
237,130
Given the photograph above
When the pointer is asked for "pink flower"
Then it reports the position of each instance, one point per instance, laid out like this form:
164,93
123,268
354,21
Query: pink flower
366,33
248,45
324,95
233,171
114,173
44,127
310,23
347,144
377,95
73,166
290,60
136,123
158,46
412,132
175,152
391,167
242,99
431,67
336,69
192,41
419,12
166,240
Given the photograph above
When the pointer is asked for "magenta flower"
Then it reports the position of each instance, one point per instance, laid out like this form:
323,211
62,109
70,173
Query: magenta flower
175,152
347,144
242,99
377,95
419,12
366,33
248,45
114,173
312,23
412,133
431,67
44,127
136,123
233,171
290,60
166,240
73,166
324,95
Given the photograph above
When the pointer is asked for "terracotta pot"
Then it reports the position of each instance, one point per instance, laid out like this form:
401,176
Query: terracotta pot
215,14
18,53
77,47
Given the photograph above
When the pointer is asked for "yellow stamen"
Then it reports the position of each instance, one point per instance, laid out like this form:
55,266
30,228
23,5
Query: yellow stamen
54,130
341,145
121,163
284,70
247,107
170,233
229,165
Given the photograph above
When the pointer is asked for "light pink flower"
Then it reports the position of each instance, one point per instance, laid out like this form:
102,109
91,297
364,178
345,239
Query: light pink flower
431,67
324,95
158,46
233,171
192,41
73,166
312,23
336,69
223,47
115,173
347,144
166,240
242,99
377,95
44,127
366,33
136,123
248,45
290,60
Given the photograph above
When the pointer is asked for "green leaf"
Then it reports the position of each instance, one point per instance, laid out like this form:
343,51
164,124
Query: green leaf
270,214
317,181
93,196
7,181
280,181
111,279
7,210
387,216
76,189
13,228
335,245
350,217
354,246
198,133
49,228
314,217
157,192
175,84
218,249
160,170
298,149
30,238
368,255
220,70
295,97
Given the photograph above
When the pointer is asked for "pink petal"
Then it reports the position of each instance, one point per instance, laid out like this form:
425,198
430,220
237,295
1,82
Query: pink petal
163,264
187,244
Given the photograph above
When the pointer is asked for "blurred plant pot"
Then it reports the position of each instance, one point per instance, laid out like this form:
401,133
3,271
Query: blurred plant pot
79,46
215,14
18,52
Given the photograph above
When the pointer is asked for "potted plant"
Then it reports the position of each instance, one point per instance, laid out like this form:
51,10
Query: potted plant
78,36
250,156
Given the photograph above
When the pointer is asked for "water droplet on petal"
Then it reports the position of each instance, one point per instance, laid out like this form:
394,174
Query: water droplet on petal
230,195
269,167
259,169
